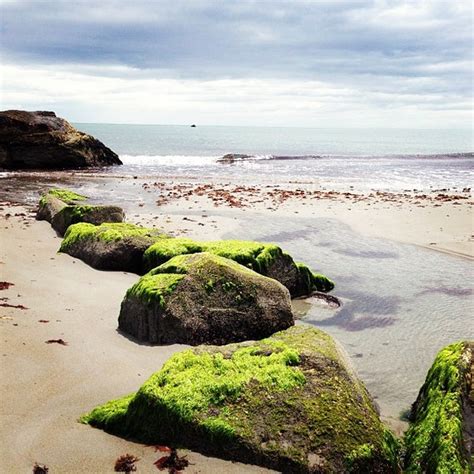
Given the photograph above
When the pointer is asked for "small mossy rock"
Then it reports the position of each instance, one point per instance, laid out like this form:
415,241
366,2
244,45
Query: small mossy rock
54,201
110,246
62,208
266,259
49,206
440,438
95,215
289,402
204,299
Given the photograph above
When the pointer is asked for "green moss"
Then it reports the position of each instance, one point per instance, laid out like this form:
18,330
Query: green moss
154,288
69,197
108,232
75,213
314,281
362,453
434,441
256,256
276,400
183,263
166,249
191,382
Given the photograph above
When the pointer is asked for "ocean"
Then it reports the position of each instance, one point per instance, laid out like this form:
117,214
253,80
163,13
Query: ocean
382,159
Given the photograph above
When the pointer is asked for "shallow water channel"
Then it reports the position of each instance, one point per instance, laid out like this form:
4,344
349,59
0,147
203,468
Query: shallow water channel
401,303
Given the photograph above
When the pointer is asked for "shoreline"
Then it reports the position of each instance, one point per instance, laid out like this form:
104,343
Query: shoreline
440,220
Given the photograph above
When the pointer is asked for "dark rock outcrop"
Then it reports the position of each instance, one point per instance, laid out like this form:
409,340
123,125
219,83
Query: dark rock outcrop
441,434
204,299
40,140
231,158
289,402
63,208
110,246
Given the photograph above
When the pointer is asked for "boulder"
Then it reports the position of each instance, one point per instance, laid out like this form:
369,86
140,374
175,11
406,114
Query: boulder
110,246
441,434
289,402
40,140
62,208
267,259
204,299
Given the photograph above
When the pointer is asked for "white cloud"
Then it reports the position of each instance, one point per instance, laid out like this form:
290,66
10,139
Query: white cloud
127,95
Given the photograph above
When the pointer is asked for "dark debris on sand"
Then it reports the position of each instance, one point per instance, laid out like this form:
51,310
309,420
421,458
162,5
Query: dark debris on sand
126,463
173,462
40,469
62,342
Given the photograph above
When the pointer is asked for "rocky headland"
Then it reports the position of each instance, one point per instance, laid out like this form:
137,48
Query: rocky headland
41,140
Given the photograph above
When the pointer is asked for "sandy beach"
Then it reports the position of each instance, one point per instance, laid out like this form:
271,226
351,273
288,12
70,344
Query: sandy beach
46,387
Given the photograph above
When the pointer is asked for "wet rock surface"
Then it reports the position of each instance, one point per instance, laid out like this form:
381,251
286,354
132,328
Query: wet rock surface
204,299
62,208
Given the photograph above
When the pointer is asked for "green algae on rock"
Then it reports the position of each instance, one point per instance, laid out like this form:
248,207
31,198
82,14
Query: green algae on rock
202,298
266,259
288,402
440,437
110,246
65,195
62,208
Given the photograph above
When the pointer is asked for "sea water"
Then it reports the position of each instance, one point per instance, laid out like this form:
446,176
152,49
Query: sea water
382,159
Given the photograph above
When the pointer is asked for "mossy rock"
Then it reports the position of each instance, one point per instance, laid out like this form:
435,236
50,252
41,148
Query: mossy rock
204,299
441,434
288,402
266,259
62,208
110,246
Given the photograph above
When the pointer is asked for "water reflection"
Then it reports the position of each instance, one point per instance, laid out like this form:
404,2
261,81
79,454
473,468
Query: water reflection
401,303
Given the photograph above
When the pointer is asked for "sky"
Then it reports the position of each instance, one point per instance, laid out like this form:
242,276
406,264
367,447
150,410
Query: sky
260,63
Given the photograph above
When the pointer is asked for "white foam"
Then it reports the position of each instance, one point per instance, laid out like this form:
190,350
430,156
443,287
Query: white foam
169,160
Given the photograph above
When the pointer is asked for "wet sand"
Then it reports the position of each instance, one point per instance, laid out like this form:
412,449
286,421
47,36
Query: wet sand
439,220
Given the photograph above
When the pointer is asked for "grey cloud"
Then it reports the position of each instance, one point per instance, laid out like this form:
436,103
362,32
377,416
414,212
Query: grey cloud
390,47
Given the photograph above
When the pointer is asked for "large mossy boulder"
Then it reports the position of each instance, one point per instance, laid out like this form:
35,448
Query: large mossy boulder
266,259
288,402
441,434
63,208
204,299
40,140
118,246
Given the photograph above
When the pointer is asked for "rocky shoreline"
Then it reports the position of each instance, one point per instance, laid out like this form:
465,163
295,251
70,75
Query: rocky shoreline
299,360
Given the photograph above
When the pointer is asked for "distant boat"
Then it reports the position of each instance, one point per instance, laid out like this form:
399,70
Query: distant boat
193,126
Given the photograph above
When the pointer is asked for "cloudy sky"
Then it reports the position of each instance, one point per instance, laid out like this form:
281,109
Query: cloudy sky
291,63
